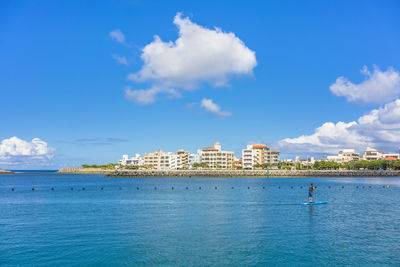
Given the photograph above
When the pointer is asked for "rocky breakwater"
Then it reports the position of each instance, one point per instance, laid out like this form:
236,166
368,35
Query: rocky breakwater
77,170
253,173
5,172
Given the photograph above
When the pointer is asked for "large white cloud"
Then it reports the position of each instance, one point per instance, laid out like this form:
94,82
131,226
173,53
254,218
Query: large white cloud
378,128
211,107
379,87
15,151
199,55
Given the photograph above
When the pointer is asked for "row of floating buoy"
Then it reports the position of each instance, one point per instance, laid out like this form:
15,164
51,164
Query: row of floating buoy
187,188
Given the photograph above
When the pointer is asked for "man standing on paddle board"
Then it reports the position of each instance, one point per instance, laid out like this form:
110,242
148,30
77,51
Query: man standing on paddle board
311,191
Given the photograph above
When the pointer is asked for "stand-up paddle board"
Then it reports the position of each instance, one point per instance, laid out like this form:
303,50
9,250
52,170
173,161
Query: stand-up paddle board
314,203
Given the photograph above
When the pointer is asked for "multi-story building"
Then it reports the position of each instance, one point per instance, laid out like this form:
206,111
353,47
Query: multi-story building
303,162
194,158
375,154
215,158
345,156
372,154
161,160
275,157
137,160
183,159
258,154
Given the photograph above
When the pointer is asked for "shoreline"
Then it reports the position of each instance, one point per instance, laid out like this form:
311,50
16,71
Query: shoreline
233,173
6,172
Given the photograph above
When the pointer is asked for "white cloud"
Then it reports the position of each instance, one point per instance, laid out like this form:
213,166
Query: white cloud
16,151
378,128
121,60
118,36
199,55
148,96
211,107
378,87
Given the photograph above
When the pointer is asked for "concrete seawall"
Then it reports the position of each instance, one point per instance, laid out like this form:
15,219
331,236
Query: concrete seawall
77,170
252,173
232,173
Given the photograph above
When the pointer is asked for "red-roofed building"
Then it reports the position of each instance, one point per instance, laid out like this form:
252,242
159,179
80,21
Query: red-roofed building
258,154
391,158
215,158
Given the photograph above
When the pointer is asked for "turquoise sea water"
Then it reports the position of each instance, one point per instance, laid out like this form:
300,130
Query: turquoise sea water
201,221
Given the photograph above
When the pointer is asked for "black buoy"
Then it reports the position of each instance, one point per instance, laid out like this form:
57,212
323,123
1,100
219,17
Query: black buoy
187,188
199,187
172,188
369,186
102,188
279,187
329,187
248,187
137,188
52,189
72,188
291,187
12,189
233,187
357,186
263,187
342,186
33,189
155,188
301,187
83,189
216,188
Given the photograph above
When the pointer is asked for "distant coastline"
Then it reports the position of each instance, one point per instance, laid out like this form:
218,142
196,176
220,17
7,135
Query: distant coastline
234,173
5,172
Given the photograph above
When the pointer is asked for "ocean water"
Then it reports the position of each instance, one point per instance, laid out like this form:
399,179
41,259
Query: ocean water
197,221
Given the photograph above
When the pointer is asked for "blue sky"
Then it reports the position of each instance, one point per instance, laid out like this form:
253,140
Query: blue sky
60,80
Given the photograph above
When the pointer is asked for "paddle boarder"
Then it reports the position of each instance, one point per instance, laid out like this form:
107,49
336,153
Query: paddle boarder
311,191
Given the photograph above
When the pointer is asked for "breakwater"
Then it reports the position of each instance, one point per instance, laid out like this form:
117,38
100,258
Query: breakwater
253,173
84,170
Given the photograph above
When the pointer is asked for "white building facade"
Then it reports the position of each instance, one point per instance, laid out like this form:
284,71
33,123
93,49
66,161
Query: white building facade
375,154
136,161
161,160
345,156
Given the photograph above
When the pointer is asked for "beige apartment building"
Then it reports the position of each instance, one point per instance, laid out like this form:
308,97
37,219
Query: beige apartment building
215,158
259,154
161,160
345,156
183,159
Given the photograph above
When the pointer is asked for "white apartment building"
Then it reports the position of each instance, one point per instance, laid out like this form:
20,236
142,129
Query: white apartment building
345,156
305,162
375,154
161,160
194,158
215,158
137,160
258,154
